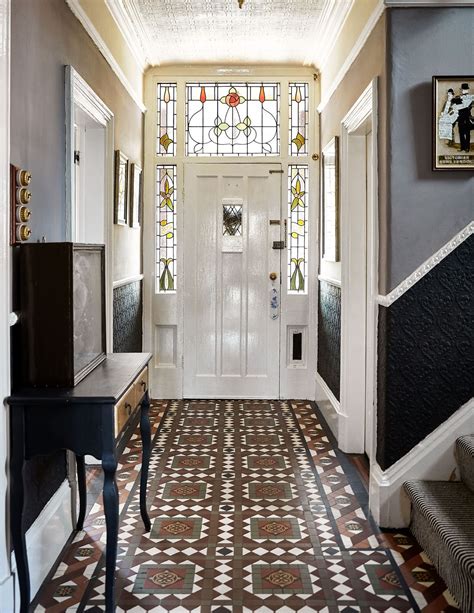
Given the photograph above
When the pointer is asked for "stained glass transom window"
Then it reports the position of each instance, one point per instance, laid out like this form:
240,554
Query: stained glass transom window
166,138
297,228
299,117
166,228
232,119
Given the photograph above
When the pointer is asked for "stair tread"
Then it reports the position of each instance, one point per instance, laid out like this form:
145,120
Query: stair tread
465,458
449,507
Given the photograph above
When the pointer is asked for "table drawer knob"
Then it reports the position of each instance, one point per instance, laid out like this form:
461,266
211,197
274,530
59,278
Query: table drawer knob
143,384
128,406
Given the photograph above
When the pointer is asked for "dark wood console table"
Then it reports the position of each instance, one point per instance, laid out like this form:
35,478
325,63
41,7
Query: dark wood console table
87,419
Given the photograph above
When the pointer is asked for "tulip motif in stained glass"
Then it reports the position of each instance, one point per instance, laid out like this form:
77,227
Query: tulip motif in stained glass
166,227
297,228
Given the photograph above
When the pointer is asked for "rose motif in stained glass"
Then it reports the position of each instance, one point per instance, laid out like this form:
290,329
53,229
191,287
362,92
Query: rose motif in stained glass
233,98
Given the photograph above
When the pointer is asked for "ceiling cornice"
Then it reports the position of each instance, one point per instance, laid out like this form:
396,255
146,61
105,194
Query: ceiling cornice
128,19
89,27
333,18
356,49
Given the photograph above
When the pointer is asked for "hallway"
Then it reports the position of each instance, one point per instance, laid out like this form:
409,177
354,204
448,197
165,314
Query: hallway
252,509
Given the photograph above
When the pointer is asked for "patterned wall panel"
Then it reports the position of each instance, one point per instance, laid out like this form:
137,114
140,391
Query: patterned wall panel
329,336
426,355
128,318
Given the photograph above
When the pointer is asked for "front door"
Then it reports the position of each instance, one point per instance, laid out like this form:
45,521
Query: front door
232,218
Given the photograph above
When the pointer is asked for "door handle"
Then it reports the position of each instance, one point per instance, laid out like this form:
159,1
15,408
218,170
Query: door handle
273,276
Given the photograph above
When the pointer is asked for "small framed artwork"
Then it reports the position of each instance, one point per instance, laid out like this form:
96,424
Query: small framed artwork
121,189
135,195
453,122
330,201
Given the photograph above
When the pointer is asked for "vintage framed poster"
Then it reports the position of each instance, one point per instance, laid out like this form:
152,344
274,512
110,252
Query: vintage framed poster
121,189
135,195
330,201
453,122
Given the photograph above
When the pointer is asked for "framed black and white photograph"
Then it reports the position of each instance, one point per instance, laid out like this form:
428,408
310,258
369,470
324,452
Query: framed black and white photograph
135,195
330,201
121,189
453,122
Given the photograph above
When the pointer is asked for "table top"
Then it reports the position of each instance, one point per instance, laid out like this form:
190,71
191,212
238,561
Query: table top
105,384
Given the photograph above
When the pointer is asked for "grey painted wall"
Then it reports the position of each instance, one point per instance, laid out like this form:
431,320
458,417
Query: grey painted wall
45,37
425,208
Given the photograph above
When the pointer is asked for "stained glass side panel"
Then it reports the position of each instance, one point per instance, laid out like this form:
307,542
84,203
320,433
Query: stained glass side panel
232,119
299,118
297,229
166,228
166,134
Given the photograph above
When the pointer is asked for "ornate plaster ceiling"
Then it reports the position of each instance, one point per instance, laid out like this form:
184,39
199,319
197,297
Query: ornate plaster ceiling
217,31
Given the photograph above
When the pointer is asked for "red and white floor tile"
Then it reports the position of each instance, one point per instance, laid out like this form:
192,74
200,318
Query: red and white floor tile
252,509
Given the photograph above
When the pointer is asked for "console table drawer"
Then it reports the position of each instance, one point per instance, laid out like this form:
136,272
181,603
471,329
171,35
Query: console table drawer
124,409
140,385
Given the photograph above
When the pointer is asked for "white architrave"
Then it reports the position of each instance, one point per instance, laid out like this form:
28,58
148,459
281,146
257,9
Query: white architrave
359,276
79,95
6,578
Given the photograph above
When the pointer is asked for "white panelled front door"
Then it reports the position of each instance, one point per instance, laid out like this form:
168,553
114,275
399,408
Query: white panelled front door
231,326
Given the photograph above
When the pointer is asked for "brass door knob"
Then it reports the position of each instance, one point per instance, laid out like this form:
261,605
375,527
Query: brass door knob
273,276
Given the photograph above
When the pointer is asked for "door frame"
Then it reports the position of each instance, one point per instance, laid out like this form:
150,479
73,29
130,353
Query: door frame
282,267
359,260
79,95
166,380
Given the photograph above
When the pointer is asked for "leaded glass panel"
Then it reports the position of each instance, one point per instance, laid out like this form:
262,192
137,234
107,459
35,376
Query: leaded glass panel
232,217
299,117
239,119
298,228
166,135
166,228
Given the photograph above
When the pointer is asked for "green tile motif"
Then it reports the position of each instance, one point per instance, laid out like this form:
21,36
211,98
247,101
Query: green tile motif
276,528
281,579
270,491
186,528
165,579
184,491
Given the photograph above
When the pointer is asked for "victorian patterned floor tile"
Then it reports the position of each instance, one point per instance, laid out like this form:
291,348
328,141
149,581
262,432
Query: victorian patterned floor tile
253,509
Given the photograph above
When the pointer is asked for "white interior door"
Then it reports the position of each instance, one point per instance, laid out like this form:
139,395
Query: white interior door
231,324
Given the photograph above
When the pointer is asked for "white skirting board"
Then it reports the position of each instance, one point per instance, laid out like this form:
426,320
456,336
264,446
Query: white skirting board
45,540
432,459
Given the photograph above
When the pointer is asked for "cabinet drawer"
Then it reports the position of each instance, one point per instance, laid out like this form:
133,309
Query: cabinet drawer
140,385
124,409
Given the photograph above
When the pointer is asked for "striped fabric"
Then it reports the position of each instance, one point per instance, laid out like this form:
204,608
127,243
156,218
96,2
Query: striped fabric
465,458
443,523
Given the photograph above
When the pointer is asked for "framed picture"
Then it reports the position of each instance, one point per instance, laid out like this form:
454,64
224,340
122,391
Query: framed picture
135,195
453,122
121,189
330,201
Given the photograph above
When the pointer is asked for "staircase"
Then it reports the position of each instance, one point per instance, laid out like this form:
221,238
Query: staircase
442,521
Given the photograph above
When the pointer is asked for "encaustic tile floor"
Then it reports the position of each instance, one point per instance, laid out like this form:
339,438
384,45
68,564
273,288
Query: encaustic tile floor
253,509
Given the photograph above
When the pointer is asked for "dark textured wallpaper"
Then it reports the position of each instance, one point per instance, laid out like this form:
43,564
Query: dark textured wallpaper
128,318
329,336
426,355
